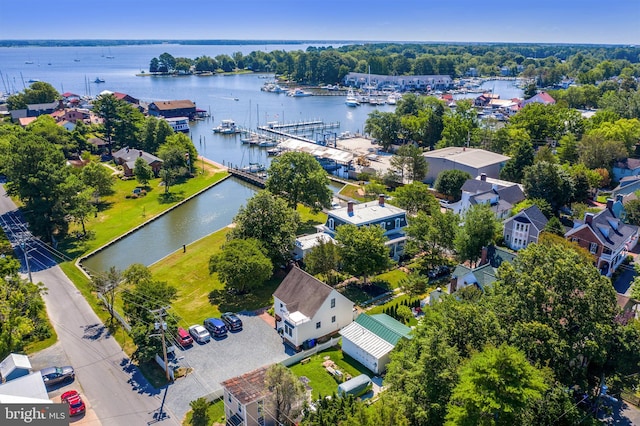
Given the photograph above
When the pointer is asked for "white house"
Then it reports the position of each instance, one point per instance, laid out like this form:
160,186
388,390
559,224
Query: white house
244,399
524,228
499,195
306,309
305,243
370,339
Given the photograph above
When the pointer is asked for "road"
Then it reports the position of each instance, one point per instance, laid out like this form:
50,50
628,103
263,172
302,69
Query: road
119,394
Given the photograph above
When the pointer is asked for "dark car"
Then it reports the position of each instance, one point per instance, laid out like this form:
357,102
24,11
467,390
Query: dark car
232,321
216,327
54,375
76,404
183,338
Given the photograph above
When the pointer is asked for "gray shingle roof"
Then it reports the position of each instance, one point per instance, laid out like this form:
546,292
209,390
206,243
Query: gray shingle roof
611,231
536,217
302,292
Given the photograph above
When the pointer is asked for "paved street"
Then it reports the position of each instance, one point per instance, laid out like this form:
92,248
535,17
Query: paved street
117,391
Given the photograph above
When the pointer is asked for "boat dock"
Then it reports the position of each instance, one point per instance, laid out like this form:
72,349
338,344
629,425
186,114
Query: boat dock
298,130
252,178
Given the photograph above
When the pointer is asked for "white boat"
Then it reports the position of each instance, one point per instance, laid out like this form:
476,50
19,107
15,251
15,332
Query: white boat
351,100
298,93
254,168
274,151
227,127
179,124
267,143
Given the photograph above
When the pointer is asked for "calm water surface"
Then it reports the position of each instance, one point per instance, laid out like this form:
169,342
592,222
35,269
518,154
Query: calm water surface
236,97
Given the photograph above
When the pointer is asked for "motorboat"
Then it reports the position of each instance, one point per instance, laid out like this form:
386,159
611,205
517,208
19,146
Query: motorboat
267,143
298,93
98,80
227,127
254,168
351,100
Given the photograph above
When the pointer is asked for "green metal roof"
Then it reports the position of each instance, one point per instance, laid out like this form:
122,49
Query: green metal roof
385,327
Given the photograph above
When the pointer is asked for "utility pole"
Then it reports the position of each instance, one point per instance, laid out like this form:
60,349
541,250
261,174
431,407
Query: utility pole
161,325
23,246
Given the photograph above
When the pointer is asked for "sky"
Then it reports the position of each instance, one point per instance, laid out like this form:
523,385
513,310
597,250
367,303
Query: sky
536,21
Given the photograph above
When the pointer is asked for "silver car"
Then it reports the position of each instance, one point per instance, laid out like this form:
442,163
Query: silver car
54,375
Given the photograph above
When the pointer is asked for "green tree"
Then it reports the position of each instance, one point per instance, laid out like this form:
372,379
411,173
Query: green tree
431,235
106,284
632,208
271,221
383,127
142,171
555,227
286,394
199,416
496,386
404,314
449,183
323,259
99,178
414,197
362,250
21,309
414,284
521,157
39,92
549,182
409,159
553,295
298,178
107,106
479,230
543,205
78,205
568,149
241,265
597,152
460,127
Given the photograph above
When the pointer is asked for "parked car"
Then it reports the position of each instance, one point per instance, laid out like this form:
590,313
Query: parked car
216,327
232,321
76,404
54,375
199,333
439,271
183,338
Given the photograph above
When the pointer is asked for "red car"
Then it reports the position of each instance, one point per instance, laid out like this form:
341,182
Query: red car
76,404
183,338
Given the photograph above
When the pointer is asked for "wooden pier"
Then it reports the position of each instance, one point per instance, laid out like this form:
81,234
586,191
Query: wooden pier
252,178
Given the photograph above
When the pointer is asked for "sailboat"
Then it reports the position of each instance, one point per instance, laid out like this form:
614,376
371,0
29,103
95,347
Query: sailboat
109,56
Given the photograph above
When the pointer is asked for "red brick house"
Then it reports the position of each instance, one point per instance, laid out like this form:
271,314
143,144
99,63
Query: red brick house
606,237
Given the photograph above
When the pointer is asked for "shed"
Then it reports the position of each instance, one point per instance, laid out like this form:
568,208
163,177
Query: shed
357,386
14,366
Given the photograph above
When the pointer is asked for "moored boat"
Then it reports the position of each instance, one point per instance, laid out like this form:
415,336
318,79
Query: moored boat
351,99
227,127
297,93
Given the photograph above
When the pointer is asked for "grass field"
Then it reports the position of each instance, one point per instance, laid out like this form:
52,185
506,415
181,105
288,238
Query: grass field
320,380
118,214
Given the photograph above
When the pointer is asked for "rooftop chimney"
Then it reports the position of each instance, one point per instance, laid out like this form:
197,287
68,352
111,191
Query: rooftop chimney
620,197
483,177
483,256
588,218
350,208
140,153
609,204
453,284
381,200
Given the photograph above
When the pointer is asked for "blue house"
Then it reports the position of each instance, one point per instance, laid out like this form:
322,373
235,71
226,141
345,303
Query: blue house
373,213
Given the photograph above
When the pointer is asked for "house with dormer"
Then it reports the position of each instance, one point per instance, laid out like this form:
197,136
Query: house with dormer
484,273
606,237
306,309
126,157
524,228
373,213
500,195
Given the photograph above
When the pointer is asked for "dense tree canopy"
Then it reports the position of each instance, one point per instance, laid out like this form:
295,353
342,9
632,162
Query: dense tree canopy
298,178
362,249
241,265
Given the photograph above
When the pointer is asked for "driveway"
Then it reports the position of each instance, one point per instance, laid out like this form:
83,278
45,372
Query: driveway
257,345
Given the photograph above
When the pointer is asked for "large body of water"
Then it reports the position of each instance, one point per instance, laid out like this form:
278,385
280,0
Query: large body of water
236,97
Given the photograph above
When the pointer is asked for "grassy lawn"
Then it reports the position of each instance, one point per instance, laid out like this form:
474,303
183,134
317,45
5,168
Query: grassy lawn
351,191
118,214
215,413
393,277
320,380
309,219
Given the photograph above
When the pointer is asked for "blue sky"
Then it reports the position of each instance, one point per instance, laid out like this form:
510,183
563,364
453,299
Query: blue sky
559,21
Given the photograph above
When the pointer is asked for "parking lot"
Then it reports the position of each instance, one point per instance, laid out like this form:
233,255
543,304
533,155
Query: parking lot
258,344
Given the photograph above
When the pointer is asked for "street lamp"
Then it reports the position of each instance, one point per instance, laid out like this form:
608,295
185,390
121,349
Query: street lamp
23,246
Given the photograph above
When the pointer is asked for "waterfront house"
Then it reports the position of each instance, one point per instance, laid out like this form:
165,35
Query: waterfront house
371,338
471,160
541,98
244,399
500,195
306,309
398,82
524,228
373,213
606,237
126,157
127,98
170,109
